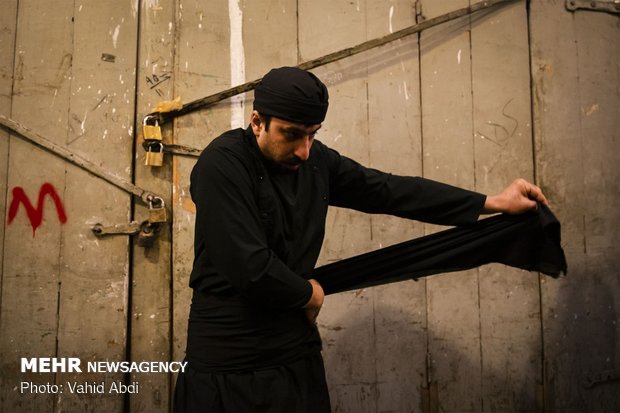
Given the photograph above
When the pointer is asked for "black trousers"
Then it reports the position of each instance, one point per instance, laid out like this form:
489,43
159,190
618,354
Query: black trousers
299,386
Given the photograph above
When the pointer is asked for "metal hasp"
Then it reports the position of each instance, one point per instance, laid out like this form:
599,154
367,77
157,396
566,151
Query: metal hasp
146,231
119,229
597,5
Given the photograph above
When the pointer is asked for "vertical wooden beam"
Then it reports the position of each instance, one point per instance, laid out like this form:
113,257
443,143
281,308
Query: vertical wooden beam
448,156
32,267
575,60
100,126
200,32
8,29
395,146
151,307
509,298
202,66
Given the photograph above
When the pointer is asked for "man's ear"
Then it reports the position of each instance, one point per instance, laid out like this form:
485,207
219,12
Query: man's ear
256,123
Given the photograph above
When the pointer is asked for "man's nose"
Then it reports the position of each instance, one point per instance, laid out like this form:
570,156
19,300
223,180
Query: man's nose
302,151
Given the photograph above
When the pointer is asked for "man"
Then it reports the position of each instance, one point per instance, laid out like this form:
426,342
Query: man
261,198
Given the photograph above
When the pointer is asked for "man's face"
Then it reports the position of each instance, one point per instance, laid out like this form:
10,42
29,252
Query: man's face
286,144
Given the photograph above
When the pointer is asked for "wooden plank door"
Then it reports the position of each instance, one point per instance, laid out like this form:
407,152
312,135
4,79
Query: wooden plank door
477,134
65,292
150,317
575,72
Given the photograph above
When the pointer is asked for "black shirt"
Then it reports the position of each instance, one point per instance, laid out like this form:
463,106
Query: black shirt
258,236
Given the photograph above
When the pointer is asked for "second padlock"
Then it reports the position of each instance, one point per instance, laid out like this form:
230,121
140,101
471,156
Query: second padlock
157,211
154,154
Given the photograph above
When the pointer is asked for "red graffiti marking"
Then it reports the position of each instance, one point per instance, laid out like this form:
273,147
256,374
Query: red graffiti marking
35,215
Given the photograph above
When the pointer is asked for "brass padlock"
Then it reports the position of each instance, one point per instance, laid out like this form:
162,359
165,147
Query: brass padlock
154,158
151,130
157,211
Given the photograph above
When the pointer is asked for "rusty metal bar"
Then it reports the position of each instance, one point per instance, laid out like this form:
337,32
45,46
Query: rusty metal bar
332,57
75,159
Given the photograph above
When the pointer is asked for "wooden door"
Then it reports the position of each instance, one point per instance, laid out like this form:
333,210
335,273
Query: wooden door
527,89
68,75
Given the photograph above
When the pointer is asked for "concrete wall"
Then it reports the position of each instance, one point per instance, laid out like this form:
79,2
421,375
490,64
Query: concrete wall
524,90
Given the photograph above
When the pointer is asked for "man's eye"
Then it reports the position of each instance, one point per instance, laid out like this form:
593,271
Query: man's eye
291,136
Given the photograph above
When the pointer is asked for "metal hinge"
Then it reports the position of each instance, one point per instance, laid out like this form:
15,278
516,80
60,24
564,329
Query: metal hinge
609,6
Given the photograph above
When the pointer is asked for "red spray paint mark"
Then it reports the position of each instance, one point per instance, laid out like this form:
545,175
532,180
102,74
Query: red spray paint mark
35,215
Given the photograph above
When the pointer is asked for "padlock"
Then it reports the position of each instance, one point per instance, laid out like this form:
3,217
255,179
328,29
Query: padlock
147,235
151,131
157,211
154,158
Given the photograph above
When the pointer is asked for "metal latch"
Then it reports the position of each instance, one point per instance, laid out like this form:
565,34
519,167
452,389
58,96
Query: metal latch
146,231
609,6
602,377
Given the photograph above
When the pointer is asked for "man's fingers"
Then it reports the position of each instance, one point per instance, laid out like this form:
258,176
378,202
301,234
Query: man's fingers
535,193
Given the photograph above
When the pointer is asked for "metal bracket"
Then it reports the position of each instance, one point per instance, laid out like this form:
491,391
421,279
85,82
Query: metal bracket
609,6
602,377
146,231
176,149
119,229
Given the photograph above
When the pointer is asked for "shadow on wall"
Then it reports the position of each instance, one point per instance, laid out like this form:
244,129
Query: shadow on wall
582,335
376,344
376,357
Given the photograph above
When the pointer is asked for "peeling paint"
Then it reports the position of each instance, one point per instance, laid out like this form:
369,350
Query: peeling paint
83,124
593,108
117,30
237,62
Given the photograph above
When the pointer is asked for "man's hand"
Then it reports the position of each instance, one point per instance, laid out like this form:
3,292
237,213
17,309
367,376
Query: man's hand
313,306
519,197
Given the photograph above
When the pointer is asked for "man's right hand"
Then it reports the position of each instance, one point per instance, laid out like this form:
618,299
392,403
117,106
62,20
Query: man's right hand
313,306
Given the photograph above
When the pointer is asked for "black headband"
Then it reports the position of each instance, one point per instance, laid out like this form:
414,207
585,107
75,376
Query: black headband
292,94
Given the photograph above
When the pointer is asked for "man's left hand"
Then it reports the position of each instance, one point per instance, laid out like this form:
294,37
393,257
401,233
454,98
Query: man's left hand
519,197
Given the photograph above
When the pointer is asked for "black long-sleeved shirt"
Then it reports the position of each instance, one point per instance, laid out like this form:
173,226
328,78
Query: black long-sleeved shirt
258,235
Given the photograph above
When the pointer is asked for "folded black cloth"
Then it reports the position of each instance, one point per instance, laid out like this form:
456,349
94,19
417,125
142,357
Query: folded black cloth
530,241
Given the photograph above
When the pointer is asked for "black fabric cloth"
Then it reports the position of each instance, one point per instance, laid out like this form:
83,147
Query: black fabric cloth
292,94
258,235
296,387
530,241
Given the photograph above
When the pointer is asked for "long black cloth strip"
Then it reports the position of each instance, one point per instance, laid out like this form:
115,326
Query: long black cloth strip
530,241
